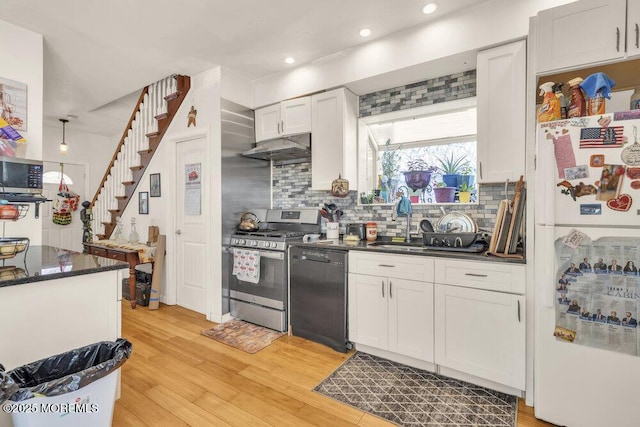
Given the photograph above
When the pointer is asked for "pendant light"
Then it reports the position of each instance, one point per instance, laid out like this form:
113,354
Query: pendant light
63,145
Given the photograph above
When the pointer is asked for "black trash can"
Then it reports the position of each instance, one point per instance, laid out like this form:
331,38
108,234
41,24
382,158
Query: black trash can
76,388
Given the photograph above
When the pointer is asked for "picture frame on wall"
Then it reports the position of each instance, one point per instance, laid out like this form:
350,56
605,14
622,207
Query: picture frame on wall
13,103
143,203
154,185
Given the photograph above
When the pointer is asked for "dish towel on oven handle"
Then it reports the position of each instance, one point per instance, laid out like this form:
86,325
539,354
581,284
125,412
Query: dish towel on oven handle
246,265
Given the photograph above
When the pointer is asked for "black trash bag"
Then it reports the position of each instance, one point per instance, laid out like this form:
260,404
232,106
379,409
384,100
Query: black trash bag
7,386
67,372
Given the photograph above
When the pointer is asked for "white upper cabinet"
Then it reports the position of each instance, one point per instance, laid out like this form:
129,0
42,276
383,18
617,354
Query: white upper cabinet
583,32
333,138
289,117
501,98
633,27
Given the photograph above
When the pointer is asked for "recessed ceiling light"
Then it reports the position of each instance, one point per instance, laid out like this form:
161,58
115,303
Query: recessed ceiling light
289,60
364,32
429,8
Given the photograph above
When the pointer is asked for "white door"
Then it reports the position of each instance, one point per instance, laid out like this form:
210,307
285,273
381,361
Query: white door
267,122
411,318
565,38
295,115
62,236
191,224
633,28
368,318
481,333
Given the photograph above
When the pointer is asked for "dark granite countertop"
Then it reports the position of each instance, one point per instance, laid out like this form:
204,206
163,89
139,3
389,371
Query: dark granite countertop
416,249
41,263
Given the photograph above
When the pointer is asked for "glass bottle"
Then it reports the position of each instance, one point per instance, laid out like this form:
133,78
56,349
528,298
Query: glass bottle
133,235
117,232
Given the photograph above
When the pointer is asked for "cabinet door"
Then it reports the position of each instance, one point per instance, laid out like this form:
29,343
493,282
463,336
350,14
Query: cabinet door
267,122
580,33
368,317
481,333
501,85
633,27
333,137
295,115
411,318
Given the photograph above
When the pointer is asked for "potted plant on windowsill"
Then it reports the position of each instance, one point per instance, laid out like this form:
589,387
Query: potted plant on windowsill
390,164
418,177
452,168
444,193
464,192
466,176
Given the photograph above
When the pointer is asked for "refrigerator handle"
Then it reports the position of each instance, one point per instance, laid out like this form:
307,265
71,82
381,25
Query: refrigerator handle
518,311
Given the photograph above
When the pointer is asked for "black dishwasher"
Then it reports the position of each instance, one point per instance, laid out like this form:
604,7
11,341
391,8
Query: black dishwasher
318,296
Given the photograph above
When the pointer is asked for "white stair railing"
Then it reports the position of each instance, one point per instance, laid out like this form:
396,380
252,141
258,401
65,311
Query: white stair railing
153,104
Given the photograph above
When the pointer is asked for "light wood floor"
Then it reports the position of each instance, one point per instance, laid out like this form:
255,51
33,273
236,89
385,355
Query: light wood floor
176,377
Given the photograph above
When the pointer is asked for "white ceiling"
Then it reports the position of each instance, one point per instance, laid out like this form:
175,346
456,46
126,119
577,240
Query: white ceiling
98,54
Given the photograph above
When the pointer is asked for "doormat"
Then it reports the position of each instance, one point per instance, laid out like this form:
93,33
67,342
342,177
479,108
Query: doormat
412,397
242,335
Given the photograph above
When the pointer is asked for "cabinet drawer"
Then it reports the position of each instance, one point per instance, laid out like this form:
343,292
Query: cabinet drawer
481,275
391,265
120,256
98,251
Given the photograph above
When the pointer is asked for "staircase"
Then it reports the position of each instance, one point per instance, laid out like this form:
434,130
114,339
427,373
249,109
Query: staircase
154,112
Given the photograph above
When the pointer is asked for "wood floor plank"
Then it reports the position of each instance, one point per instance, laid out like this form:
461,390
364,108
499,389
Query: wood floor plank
267,412
304,394
228,412
174,368
145,409
182,408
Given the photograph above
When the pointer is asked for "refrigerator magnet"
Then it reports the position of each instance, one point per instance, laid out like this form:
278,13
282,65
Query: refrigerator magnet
610,182
596,160
591,209
633,173
622,203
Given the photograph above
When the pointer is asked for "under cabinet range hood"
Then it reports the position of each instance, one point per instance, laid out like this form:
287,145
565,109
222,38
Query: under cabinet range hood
290,149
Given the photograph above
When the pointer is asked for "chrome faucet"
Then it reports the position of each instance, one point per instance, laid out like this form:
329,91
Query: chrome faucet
403,208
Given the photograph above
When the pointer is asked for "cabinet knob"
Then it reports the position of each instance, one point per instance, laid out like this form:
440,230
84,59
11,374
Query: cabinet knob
178,231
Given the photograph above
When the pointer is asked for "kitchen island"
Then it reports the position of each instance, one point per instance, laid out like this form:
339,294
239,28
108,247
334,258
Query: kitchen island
54,300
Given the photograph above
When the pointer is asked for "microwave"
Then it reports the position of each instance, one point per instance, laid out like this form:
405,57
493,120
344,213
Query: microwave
20,175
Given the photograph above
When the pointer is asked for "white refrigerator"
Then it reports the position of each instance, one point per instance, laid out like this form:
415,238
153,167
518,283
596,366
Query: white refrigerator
587,365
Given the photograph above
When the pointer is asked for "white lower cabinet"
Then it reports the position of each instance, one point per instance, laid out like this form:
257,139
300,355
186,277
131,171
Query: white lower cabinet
470,323
481,333
391,303
392,314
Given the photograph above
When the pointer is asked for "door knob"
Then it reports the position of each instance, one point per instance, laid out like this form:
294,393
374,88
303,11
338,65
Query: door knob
178,231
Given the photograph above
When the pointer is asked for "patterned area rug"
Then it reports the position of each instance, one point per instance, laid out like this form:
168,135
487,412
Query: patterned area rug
412,397
243,335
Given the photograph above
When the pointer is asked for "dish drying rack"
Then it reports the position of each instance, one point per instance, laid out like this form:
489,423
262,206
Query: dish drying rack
11,246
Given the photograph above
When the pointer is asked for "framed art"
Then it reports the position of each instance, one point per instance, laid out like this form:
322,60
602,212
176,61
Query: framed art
143,203
13,103
154,184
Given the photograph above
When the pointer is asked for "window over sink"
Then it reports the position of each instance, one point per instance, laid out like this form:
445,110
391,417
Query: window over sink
428,154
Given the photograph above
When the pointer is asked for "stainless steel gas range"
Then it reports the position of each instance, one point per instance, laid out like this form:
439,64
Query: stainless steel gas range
258,293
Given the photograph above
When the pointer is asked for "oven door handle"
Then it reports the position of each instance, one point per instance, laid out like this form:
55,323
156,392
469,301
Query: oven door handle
263,254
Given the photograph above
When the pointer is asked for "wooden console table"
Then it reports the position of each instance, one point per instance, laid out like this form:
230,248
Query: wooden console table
132,254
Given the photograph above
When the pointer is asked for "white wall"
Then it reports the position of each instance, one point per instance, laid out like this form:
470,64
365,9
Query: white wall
487,24
206,91
22,61
88,149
